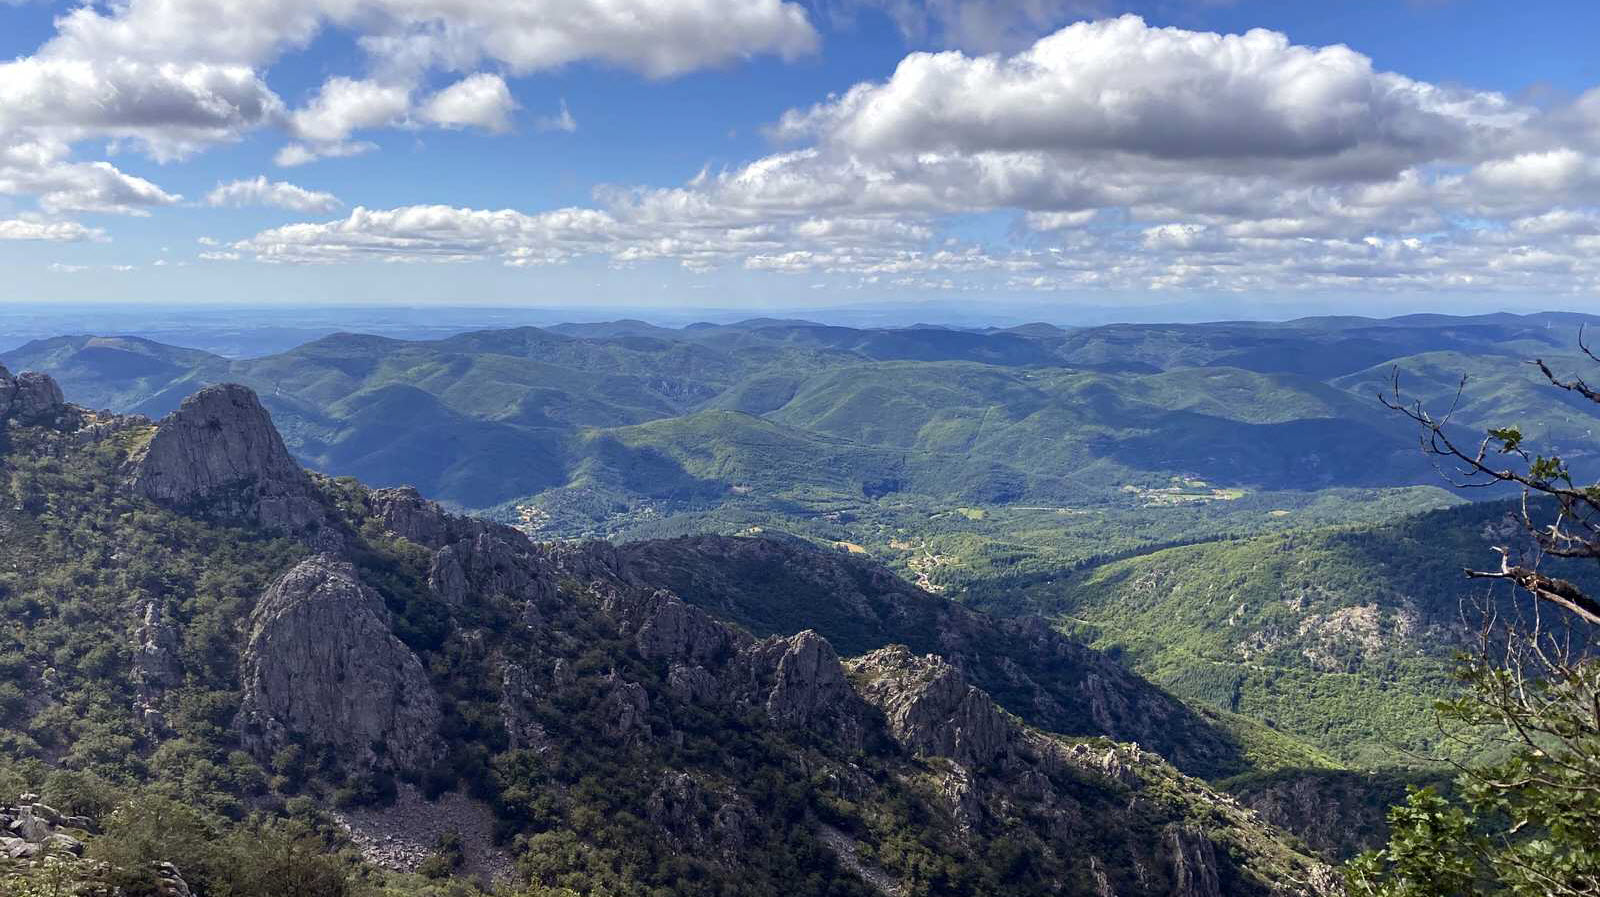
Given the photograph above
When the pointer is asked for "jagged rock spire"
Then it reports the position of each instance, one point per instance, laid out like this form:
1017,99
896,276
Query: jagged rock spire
220,451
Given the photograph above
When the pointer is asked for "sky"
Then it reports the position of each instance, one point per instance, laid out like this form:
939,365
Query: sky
1261,158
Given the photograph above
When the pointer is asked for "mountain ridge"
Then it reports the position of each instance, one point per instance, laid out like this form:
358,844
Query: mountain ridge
456,653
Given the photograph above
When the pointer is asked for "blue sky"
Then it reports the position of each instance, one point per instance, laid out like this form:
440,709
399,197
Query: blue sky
1049,154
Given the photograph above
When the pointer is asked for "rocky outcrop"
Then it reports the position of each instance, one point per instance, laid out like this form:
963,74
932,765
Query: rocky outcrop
808,684
1337,813
779,587
931,709
220,454
29,397
700,821
323,663
1194,863
156,666
29,829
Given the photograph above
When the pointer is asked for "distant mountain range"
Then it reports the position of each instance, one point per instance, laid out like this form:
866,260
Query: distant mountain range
1034,414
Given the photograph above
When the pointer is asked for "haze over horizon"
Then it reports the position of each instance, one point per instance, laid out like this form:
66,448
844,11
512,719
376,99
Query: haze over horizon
1056,160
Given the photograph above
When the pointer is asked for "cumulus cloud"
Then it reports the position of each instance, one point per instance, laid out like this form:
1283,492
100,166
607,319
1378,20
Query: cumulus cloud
173,77
341,107
655,37
1128,157
1133,158
981,26
479,101
171,108
41,170
1121,86
280,194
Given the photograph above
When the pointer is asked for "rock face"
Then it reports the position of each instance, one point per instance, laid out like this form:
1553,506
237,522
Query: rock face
323,663
1194,863
29,397
930,707
219,451
808,683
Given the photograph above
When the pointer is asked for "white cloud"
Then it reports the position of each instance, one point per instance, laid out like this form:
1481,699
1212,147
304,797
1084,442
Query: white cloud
281,194
300,154
171,109
480,101
561,121
55,231
982,26
341,107
1129,157
172,77
1120,86
40,169
655,37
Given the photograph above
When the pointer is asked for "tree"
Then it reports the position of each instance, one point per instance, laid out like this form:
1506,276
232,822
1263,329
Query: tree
1526,824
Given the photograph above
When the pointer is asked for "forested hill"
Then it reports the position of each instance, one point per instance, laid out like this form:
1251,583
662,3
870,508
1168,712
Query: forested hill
225,674
1342,636
1031,442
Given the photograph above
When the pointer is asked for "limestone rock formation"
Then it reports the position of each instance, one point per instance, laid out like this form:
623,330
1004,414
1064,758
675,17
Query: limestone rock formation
322,662
29,396
220,452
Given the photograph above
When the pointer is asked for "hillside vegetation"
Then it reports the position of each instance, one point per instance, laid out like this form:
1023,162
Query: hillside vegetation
1062,444
1342,637
226,674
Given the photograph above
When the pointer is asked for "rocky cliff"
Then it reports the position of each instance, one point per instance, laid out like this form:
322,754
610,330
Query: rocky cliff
220,454
323,665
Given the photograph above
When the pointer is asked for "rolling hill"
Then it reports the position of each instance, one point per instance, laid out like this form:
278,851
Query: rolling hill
1153,433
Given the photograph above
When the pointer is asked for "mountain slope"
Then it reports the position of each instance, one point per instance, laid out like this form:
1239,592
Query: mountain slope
1342,637
238,634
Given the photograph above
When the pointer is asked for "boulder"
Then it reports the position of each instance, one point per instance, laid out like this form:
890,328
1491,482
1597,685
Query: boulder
62,843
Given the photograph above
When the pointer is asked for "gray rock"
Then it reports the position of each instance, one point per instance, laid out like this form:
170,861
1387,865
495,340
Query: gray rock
61,843
664,627
170,882
625,709
323,662
807,681
517,695
30,827
155,658
931,709
23,850
29,396
1194,862
46,812
219,452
